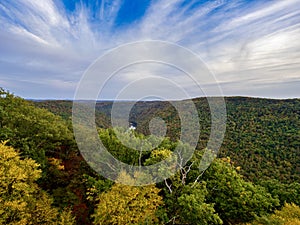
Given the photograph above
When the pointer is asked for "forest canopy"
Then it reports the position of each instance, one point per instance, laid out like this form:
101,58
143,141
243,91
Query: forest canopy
45,180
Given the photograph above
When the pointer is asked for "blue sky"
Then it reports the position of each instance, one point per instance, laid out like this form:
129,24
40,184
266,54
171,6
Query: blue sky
252,47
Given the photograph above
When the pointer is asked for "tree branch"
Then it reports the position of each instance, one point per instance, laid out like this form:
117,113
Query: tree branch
168,186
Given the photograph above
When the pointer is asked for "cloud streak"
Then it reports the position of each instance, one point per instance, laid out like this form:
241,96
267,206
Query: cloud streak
252,47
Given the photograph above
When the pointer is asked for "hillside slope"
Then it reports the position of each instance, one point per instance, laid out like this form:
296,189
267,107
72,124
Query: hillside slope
262,135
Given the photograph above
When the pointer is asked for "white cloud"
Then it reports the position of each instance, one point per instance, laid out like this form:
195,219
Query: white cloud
243,43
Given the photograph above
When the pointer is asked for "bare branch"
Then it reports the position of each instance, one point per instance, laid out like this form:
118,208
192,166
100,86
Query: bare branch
168,186
196,181
172,220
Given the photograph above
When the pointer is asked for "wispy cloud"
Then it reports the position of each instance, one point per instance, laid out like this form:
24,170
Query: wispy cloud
252,47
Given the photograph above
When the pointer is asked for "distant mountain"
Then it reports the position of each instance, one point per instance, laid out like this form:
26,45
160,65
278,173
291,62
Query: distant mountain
63,108
262,135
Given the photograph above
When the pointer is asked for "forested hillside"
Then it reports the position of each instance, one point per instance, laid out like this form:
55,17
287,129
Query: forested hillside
262,135
44,179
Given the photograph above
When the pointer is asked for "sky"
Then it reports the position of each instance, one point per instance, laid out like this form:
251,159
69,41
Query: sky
251,47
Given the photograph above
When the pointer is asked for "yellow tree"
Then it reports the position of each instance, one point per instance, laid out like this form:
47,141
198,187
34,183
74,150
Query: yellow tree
288,215
128,204
21,200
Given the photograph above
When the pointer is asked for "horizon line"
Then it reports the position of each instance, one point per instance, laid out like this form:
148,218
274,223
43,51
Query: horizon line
161,100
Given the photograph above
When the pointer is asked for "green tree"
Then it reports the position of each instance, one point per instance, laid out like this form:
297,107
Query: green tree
185,199
235,199
42,136
192,206
287,193
37,133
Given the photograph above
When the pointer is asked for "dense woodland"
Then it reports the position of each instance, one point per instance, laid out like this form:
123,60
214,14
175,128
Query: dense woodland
254,180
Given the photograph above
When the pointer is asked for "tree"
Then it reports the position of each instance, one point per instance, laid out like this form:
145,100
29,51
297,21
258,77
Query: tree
21,200
185,200
193,208
37,133
235,199
288,215
124,204
287,193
